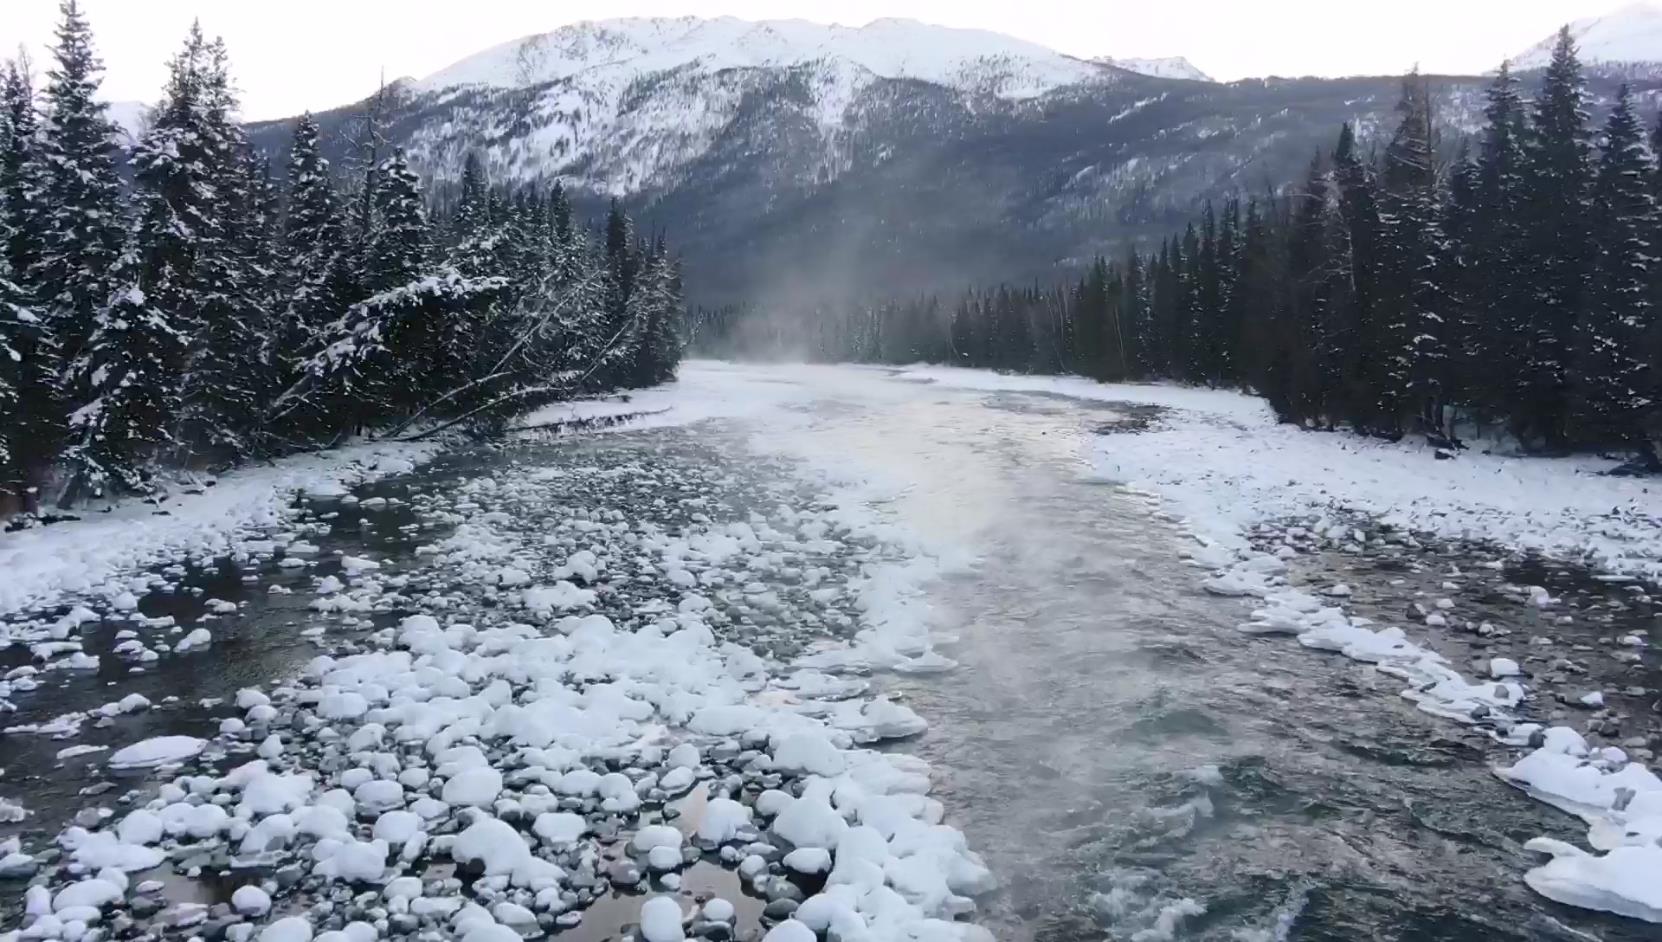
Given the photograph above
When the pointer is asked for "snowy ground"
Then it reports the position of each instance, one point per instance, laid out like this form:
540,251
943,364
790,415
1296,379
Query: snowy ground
546,681
215,516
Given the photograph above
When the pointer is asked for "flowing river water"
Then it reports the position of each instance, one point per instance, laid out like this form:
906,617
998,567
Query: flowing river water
1130,765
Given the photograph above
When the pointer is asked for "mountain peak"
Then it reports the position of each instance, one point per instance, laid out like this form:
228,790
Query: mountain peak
625,49
1631,35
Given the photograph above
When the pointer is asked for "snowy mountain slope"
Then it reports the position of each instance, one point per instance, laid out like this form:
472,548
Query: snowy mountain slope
807,163
612,53
625,103
1629,36
1175,67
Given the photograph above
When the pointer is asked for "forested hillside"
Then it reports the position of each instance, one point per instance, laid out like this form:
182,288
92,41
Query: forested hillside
1511,288
221,308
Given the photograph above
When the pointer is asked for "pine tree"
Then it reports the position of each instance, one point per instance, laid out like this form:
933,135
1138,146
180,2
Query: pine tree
1306,335
31,423
1498,343
1613,388
1136,315
20,176
194,175
127,377
1556,187
316,275
81,228
400,242
1355,327
1227,330
1202,329
1466,336
1410,360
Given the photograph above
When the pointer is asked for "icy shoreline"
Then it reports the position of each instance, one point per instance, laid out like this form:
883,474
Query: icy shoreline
87,559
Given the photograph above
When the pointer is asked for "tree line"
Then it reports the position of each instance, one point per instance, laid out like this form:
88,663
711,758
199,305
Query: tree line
219,309
1513,288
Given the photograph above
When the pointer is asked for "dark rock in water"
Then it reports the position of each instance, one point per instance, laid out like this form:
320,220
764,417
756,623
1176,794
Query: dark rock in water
780,909
624,874
289,875
714,931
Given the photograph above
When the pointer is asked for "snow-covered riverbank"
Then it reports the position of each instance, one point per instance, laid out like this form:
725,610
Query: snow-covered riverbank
678,596
1219,463
88,556
584,689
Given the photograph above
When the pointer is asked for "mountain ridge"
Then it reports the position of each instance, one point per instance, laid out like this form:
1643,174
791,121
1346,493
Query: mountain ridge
788,173
1629,36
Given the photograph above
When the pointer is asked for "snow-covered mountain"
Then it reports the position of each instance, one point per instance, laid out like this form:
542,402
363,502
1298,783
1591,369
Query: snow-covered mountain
611,54
1176,67
793,160
1631,36
627,103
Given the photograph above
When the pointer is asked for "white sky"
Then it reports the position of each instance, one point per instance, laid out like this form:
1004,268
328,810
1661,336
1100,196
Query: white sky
295,54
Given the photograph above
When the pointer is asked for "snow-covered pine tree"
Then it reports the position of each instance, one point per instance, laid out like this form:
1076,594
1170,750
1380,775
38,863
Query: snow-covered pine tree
1228,327
1556,190
1611,382
127,381
1410,360
227,377
1306,335
1500,312
1135,305
20,176
82,223
1259,286
400,243
315,273
31,404
1359,208
1202,328
1464,292
659,347
30,412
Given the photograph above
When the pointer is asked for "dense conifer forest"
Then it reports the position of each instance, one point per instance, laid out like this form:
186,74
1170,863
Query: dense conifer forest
188,304
1511,290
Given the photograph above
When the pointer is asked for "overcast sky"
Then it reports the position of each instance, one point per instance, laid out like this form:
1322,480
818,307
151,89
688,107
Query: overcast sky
290,55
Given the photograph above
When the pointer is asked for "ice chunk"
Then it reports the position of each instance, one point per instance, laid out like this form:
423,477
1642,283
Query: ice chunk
1626,881
158,750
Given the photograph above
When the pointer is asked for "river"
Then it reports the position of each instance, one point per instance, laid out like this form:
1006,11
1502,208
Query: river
1129,764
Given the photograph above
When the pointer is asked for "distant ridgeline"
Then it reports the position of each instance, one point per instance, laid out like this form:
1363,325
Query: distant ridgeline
213,312
1512,287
